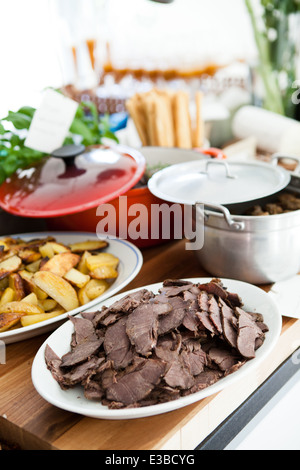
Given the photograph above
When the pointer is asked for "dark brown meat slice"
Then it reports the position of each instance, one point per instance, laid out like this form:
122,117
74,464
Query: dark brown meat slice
83,330
203,380
223,358
81,353
214,313
142,324
206,322
135,386
248,333
117,345
214,287
81,372
53,363
194,357
126,304
174,319
228,321
203,301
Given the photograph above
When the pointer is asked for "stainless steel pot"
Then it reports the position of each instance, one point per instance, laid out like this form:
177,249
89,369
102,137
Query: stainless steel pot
254,249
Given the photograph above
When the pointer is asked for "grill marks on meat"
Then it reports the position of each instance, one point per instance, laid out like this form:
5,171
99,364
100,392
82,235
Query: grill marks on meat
146,349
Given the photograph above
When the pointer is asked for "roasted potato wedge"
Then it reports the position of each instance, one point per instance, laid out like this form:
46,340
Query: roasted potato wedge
104,272
10,265
96,287
16,283
76,278
102,259
31,286
57,288
61,263
28,320
7,296
31,299
82,267
8,320
24,308
88,245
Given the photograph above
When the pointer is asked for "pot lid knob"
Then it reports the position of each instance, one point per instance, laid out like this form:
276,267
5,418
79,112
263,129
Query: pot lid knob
69,152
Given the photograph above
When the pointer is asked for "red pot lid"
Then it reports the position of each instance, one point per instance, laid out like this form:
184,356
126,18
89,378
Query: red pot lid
71,180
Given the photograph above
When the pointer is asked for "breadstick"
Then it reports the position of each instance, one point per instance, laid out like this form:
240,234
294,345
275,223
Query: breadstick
182,120
199,130
137,114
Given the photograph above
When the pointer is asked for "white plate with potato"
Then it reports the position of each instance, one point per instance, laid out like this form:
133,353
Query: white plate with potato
47,276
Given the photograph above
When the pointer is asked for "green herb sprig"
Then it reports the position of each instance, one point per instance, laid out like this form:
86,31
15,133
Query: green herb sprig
88,128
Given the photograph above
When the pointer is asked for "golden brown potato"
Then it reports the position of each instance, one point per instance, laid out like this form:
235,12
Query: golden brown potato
61,263
16,283
76,278
28,320
96,287
7,296
31,286
57,288
23,308
7,320
9,265
104,272
88,245
107,259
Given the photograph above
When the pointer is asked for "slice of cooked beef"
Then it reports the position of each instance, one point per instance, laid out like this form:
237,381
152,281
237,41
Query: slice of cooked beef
228,321
135,386
206,322
194,357
203,301
204,380
174,319
53,363
83,330
178,376
142,325
117,345
173,291
82,371
223,358
109,315
214,313
248,333
214,287
176,282
81,353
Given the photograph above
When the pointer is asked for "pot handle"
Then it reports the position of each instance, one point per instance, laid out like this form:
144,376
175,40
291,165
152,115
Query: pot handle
234,225
218,162
278,156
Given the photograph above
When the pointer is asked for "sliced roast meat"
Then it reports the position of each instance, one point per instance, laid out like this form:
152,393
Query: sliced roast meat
136,385
174,319
117,345
223,358
229,323
81,353
146,349
83,330
248,333
142,324
215,314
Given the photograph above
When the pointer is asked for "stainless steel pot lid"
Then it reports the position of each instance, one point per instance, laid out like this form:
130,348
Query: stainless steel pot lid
217,182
